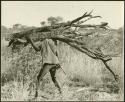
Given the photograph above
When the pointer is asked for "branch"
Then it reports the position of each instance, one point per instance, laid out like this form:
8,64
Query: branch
81,47
87,26
115,76
79,18
89,19
56,26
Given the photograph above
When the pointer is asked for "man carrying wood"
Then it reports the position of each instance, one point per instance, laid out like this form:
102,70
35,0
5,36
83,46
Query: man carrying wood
49,59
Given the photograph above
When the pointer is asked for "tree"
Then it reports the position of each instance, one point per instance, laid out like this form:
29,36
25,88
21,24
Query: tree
59,19
4,30
54,20
16,26
43,23
19,27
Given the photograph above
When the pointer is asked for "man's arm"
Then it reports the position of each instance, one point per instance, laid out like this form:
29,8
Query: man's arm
32,43
55,47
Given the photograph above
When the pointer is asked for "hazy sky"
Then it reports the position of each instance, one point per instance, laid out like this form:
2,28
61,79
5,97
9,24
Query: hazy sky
31,13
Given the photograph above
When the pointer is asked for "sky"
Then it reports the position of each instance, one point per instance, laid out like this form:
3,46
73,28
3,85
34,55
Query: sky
31,13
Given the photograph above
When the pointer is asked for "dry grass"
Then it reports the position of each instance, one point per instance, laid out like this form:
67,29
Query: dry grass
79,66
82,72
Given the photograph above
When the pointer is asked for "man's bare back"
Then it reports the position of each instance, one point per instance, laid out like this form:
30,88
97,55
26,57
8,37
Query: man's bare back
48,51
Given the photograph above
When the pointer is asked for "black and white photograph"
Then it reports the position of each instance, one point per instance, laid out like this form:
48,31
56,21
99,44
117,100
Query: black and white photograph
62,50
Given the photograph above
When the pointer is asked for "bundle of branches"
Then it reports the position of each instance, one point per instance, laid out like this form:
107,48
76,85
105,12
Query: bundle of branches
62,32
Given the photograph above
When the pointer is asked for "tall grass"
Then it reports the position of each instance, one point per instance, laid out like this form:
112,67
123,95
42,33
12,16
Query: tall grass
20,70
79,66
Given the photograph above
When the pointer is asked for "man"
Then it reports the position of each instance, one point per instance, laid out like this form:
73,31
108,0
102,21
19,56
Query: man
49,59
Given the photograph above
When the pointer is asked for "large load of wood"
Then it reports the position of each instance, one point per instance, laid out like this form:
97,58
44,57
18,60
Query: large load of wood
64,33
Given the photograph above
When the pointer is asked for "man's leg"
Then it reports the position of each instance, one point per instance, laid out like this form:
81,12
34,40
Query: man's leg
42,73
52,73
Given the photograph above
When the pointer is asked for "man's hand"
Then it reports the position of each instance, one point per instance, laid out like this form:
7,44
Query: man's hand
29,40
